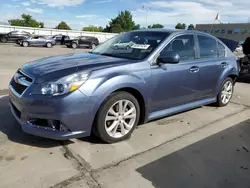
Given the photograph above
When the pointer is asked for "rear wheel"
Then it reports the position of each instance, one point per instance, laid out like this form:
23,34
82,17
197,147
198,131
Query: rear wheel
74,45
4,39
49,45
93,46
117,117
25,44
226,92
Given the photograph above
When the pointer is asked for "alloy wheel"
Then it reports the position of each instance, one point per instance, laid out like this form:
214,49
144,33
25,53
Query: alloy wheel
120,118
227,92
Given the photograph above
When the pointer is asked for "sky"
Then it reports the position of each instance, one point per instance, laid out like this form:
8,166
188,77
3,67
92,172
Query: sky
80,13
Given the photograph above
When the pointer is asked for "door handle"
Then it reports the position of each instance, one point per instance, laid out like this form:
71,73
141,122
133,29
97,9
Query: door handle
194,69
224,65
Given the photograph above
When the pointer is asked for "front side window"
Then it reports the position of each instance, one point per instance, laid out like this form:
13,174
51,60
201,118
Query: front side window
132,45
183,46
208,47
221,50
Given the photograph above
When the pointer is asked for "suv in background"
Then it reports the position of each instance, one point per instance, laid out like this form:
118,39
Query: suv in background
15,36
82,41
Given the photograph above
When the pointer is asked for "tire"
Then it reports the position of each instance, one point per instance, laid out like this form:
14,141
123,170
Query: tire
93,46
74,45
48,45
4,40
227,93
128,47
25,44
102,125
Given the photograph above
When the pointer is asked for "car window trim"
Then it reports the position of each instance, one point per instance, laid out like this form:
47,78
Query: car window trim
167,43
225,55
216,46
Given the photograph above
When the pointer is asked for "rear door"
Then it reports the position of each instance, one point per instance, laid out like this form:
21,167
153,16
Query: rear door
212,65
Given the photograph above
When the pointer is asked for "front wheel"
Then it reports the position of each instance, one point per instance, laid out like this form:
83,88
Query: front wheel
49,45
226,92
74,45
25,44
117,117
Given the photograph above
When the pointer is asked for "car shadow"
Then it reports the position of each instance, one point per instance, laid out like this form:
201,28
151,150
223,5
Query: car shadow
218,161
13,131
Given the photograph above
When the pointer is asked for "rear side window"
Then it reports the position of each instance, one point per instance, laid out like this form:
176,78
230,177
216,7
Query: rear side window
208,47
221,50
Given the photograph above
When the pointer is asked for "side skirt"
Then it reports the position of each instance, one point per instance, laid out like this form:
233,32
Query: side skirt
177,109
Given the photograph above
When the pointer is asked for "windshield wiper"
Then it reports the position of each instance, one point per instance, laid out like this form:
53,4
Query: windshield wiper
111,55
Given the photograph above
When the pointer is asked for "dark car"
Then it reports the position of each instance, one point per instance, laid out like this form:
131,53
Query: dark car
109,92
38,41
244,59
15,36
82,41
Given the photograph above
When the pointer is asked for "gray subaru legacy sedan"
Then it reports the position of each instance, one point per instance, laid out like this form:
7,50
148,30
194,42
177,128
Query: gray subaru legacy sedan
109,91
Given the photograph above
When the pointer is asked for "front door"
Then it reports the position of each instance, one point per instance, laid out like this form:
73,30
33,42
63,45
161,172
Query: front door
83,42
176,84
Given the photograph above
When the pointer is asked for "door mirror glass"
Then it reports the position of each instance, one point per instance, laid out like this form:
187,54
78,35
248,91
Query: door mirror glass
171,58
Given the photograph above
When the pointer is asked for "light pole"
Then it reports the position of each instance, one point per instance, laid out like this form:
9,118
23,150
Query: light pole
147,9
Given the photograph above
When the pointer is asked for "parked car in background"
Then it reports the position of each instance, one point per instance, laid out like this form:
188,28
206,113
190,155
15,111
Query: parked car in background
38,41
15,36
123,45
60,39
82,41
109,92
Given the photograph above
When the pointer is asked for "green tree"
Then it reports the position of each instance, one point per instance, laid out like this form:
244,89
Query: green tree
122,23
63,25
191,27
26,21
93,28
155,26
180,26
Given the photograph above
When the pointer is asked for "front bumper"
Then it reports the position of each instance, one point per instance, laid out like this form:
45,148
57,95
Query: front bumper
72,111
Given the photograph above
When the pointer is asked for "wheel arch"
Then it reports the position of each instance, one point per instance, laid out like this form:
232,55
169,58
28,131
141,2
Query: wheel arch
231,73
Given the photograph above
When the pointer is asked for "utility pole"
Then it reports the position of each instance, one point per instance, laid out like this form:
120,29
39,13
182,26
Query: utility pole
147,9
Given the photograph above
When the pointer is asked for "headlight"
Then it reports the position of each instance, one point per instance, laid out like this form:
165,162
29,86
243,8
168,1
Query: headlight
65,85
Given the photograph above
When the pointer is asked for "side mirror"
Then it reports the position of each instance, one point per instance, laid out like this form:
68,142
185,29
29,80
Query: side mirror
171,58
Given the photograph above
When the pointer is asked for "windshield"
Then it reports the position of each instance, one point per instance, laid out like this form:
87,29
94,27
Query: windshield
132,45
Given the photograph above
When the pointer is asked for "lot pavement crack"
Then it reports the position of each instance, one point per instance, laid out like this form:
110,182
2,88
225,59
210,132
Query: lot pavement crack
168,141
82,166
80,163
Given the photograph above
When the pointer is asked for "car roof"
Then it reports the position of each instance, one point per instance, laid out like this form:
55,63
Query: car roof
173,31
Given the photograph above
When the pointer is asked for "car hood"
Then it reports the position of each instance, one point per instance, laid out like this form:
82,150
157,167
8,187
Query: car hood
50,68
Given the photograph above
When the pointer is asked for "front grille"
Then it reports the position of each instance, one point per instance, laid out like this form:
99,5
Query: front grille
21,82
18,87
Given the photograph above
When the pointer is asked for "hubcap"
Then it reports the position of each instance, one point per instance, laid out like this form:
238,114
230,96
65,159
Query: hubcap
227,92
120,118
